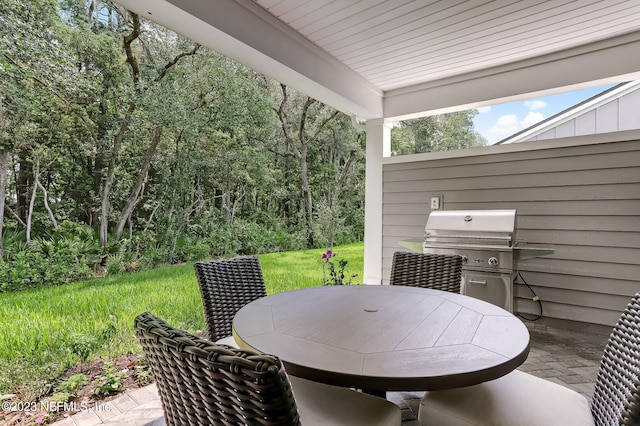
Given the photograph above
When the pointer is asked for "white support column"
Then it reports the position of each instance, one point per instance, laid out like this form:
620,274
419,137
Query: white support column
378,146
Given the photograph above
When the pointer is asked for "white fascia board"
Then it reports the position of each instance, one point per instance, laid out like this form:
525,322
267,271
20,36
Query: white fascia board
607,61
243,31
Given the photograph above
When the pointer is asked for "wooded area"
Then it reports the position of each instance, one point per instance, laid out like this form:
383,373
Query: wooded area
124,145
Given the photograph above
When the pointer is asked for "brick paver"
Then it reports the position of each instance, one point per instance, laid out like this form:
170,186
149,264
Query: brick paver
562,356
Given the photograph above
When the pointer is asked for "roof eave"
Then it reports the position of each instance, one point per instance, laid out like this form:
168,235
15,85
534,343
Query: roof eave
243,31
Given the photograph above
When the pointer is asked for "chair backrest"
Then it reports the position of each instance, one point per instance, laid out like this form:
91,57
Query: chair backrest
226,286
616,399
201,382
438,271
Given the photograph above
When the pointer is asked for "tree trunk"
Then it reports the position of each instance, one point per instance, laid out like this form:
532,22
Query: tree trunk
298,146
15,216
232,207
124,126
341,183
36,172
134,195
139,91
108,184
46,203
306,193
4,165
23,178
300,152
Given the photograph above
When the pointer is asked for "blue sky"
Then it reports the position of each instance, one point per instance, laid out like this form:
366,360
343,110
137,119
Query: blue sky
502,120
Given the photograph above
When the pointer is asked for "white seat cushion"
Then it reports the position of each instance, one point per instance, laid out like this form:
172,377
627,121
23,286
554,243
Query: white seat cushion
517,399
229,341
320,404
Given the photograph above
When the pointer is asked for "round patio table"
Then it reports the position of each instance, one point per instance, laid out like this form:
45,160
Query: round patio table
384,338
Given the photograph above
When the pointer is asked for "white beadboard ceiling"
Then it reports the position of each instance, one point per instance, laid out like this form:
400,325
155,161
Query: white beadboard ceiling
383,58
395,43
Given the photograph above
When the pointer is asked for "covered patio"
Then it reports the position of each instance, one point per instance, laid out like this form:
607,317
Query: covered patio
566,357
382,62
385,61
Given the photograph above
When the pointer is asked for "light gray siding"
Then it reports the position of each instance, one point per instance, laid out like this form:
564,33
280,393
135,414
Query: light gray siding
580,196
619,114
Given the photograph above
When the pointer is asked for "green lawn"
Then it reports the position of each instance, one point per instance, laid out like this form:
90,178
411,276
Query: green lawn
44,331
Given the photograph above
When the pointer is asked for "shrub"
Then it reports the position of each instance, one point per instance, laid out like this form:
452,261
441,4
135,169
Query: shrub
25,269
122,264
73,384
155,257
142,374
63,255
109,382
190,249
222,241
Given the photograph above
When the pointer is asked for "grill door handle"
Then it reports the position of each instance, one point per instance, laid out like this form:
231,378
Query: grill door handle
478,282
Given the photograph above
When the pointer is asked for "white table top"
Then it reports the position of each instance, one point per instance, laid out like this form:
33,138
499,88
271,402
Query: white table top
384,338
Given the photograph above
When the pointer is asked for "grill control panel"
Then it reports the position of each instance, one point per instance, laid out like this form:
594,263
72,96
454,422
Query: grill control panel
478,259
492,261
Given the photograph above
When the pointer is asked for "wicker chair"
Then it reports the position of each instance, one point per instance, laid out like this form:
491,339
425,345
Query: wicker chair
226,286
525,400
438,271
202,383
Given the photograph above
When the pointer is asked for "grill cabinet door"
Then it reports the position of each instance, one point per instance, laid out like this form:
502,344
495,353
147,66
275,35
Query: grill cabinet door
496,288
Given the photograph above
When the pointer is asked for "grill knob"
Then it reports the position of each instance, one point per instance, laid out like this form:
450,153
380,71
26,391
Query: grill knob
465,260
493,261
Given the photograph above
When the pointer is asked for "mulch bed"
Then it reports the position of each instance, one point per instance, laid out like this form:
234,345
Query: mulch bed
86,396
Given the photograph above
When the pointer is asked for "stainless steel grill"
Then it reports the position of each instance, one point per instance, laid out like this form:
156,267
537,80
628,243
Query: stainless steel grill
486,240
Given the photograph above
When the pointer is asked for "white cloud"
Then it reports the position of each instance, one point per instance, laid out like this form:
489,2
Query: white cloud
510,124
535,105
532,118
483,110
506,124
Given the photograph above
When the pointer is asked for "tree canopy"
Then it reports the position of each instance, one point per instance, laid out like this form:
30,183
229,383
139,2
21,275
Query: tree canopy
125,145
436,133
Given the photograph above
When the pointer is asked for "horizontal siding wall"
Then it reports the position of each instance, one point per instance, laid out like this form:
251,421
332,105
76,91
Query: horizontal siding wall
580,196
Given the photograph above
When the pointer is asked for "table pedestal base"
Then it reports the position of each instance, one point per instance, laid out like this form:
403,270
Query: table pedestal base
378,393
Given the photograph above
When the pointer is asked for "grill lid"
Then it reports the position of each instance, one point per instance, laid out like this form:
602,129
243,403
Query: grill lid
478,227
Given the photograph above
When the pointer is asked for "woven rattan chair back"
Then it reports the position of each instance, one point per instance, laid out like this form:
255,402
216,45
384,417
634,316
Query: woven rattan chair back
226,286
616,398
203,383
438,271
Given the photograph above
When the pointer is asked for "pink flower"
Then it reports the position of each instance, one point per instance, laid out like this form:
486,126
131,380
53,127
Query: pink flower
41,417
328,255
112,317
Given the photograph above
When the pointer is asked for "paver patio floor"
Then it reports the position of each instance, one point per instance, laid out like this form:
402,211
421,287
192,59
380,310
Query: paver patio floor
567,357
